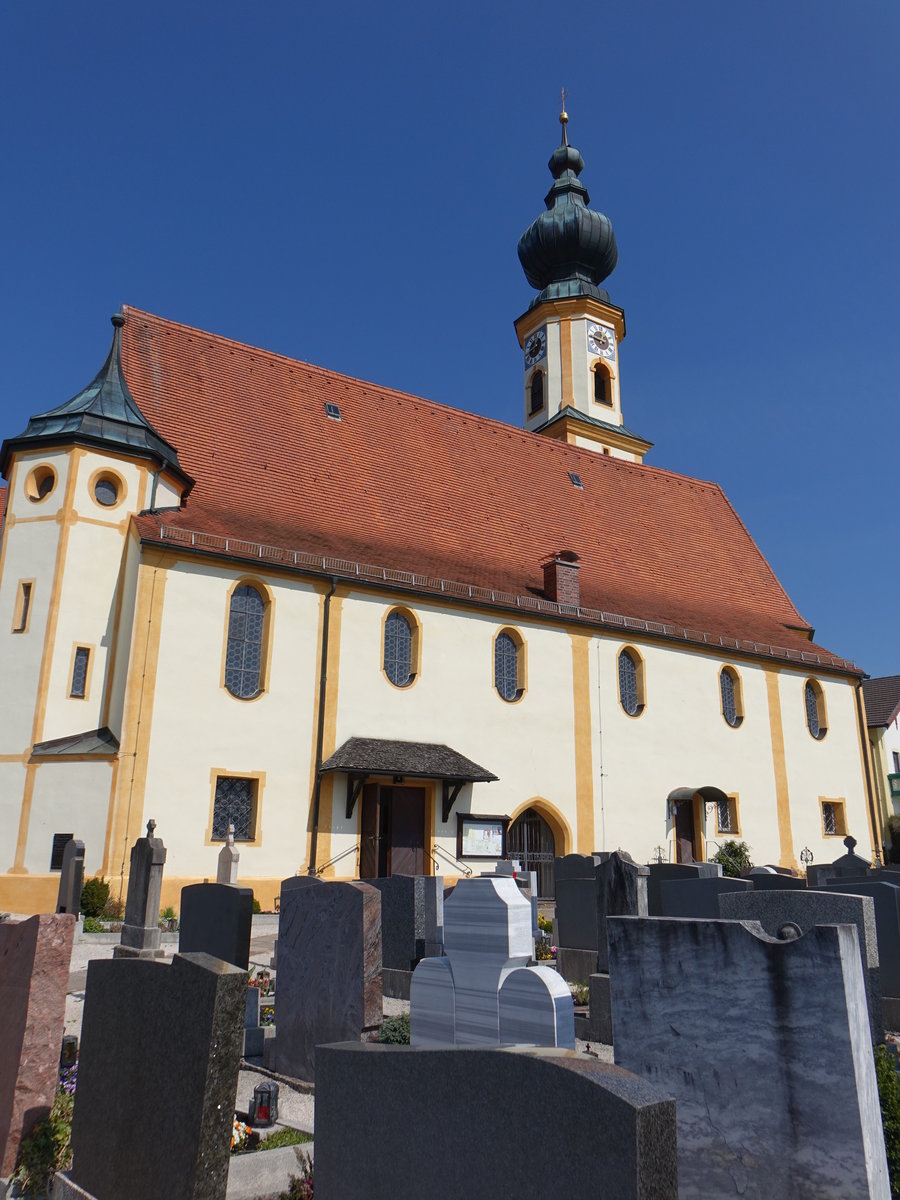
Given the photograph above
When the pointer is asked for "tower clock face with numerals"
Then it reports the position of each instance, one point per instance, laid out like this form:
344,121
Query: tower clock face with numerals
601,341
535,347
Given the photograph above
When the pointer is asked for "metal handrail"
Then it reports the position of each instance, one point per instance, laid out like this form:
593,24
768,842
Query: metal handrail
337,858
466,870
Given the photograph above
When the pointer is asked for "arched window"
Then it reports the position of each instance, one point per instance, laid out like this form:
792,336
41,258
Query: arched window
815,709
537,392
631,689
730,689
602,386
399,649
509,675
243,656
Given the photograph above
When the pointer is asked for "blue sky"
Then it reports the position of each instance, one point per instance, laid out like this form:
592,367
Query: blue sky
347,184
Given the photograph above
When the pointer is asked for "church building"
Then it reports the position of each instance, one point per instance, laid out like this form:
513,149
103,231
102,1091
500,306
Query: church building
381,635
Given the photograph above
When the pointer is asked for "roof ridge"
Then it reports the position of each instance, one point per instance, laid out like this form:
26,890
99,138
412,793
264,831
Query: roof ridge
582,452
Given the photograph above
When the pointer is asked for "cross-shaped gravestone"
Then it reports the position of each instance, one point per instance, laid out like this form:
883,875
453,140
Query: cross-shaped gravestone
227,864
483,992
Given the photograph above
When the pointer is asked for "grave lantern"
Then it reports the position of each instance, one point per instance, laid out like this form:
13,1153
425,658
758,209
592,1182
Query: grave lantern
264,1104
68,1054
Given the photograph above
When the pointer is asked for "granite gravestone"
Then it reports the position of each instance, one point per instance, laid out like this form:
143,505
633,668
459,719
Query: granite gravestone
663,871
777,883
216,919
806,909
412,926
71,878
848,866
596,887
34,976
470,1120
886,898
472,994
697,899
157,1078
140,930
575,880
329,970
768,1118
227,862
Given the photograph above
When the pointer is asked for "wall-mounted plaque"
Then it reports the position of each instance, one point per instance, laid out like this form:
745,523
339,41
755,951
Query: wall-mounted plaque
480,837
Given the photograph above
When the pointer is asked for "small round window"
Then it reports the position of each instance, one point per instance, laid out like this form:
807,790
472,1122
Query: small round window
106,491
40,483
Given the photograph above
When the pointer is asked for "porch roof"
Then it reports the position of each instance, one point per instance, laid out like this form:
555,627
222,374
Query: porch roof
414,760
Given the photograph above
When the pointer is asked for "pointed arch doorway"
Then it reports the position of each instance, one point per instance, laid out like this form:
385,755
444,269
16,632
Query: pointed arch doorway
530,839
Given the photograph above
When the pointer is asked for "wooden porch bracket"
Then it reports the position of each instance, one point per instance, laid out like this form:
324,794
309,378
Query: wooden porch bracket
354,787
451,790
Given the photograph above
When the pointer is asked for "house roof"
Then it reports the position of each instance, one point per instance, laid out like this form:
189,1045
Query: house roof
100,743
414,760
418,487
882,697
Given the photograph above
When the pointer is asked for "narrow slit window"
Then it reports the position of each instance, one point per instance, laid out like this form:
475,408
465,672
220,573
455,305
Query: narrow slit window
537,392
23,606
80,672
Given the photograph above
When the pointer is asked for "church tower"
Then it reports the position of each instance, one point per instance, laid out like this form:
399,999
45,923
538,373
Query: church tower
571,332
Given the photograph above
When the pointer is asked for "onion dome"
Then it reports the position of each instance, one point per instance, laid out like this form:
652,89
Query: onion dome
104,414
570,249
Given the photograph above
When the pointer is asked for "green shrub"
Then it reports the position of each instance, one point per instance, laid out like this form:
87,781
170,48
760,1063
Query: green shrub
113,909
93,925
733,858
94,896
257,907
889,1095
545,923
284,1137
395,1030
48,1149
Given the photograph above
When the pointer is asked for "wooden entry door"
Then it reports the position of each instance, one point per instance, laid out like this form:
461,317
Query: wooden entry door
684,831
392,832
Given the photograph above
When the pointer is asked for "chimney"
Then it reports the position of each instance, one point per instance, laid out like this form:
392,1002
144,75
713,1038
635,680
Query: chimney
561,578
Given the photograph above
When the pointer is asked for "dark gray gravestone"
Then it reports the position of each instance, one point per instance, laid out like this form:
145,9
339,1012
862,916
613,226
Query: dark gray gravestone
593,888
216,919
71,878
329,970
157,1078
575,881
848,866
594,1123
621,892
887,926
698,898
777,883
807,909
140,931
412,919
772,1121
661,871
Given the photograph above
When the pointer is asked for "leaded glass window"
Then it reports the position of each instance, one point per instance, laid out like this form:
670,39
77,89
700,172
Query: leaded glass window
729,703
398,649
234,805
506,666
812,711
628,683
537,392
243,656
79,672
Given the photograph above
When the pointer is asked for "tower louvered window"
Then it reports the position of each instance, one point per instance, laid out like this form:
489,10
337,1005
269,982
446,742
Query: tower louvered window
506,667
398,649
235,805
537,392
628,683
243,657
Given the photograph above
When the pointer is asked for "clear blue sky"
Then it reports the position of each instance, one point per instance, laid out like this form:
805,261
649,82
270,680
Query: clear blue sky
347,183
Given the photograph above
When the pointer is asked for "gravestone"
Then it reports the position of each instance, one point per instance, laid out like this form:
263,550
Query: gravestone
71,878
216,919
886,897
777,883
663,871
329,970
140,930
473,994
848,866
609,884
488,1124
790,1110
575,922
34,976
806,909
412,926
697,899
227,862
157,1078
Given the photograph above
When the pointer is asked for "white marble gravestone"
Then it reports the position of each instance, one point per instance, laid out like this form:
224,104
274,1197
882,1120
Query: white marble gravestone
478,994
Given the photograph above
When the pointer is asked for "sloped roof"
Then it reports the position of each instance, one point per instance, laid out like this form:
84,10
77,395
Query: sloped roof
415,486
882,697
419,760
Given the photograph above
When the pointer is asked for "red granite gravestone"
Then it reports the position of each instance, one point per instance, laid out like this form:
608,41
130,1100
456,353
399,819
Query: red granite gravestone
34,975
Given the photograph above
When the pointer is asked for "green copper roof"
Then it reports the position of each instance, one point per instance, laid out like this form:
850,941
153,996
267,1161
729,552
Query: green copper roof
104,414
570,249
575,415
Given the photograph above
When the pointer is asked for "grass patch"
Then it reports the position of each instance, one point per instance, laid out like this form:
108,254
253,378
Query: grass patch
284,1137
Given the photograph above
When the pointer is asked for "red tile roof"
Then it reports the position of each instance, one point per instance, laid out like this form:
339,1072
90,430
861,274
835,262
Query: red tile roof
882,697
416,486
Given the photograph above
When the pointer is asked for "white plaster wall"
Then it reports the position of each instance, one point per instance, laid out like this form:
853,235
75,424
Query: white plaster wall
168,494
615,452
198,727
68,798
891,746
12,787
120,649
19,504
131,500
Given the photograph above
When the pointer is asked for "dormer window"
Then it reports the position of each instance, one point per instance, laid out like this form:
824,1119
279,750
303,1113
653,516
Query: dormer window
537,393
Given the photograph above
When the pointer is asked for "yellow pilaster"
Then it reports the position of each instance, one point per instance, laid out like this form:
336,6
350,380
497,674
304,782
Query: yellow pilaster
584,764
782,794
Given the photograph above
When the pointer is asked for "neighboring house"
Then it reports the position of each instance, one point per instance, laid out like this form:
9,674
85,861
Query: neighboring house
882,698
378,634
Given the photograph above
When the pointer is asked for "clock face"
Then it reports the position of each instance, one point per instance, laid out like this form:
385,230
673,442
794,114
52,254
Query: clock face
535,347
601,341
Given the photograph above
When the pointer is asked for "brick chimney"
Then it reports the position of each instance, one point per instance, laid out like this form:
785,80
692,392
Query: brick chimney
561,578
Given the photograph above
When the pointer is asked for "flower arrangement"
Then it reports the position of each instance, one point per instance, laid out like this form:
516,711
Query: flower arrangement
240,1135
260,978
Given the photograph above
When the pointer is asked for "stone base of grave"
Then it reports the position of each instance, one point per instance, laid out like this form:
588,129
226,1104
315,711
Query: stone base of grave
396,983
576,966
596,1024
891,1009
132,952
65,1188
255,1040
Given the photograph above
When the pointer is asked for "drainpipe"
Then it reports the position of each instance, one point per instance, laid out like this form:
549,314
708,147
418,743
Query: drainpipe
156,475
870,792
320,732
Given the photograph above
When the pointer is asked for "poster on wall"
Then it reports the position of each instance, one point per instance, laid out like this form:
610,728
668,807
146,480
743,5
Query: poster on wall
481,837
